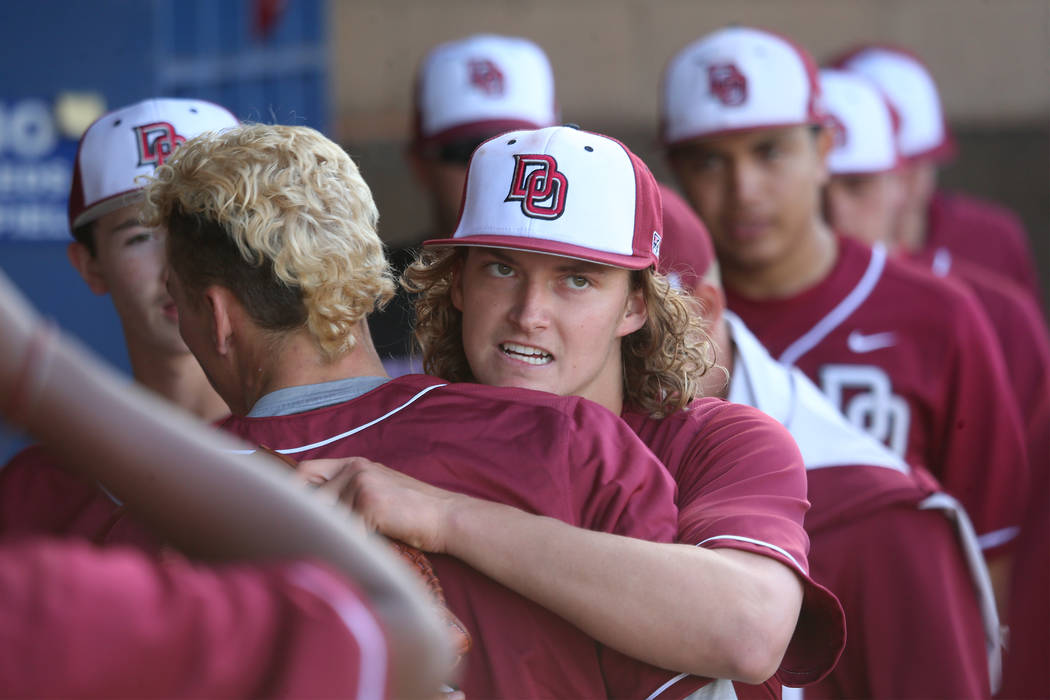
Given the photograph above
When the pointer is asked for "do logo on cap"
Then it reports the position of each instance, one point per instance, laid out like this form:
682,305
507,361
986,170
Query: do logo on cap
538,185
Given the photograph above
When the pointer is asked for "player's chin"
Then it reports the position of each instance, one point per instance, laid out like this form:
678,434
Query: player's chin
519,376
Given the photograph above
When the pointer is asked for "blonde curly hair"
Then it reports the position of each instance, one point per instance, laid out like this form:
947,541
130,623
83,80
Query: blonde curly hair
663,361
281,216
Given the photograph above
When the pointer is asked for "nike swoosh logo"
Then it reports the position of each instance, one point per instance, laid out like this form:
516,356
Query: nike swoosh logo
861,343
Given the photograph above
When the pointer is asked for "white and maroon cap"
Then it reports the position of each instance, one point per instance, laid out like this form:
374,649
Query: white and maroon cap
910,88
561,191
127,143
862,123
735,79
483,85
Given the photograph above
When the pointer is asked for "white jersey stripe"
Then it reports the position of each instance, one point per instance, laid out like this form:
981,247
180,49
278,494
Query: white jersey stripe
720,689
775,548
997,537
348,433
656,693
363,627
942,262
982,582
811,338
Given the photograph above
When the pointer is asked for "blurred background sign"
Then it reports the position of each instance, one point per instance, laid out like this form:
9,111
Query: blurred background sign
67,62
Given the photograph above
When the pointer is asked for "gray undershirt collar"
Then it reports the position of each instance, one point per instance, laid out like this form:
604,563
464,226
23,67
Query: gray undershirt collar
299,399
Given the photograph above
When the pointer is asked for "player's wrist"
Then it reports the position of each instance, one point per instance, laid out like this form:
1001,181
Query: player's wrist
463,519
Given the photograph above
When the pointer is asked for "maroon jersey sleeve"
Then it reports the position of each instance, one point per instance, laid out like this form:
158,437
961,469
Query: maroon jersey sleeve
914,626
80,621
985,234
741,481
39,497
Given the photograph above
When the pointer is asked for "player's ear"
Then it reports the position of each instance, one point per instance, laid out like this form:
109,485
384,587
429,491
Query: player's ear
823,141
88,267
455,289
222,315
635,313
712,301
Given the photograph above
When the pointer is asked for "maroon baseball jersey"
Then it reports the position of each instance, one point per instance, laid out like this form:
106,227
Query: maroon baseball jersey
912,360
1023,340
983,233
78,621
742,484
38,497
565,458
1026,673
915,627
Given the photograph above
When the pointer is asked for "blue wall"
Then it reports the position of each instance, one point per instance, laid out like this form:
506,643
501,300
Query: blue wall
124,51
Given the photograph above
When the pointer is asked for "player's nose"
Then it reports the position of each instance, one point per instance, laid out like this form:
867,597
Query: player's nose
531,308
745,182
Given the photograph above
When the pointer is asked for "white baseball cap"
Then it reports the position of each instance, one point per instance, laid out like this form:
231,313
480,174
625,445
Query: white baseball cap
130,142
910,88
561,191
483,85
738,78
862,123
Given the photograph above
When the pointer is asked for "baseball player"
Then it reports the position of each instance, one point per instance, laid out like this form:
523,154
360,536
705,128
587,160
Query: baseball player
118,255
275,263
876,528
329,613
548,284
935,223
862,160
860,200
465,91
906,356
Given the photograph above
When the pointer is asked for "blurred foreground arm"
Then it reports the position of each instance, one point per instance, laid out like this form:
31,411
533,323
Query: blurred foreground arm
185,480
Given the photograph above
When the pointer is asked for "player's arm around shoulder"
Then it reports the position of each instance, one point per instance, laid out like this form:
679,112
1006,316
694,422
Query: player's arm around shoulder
676,606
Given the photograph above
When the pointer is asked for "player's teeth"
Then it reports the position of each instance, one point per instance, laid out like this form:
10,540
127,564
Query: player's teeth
524,353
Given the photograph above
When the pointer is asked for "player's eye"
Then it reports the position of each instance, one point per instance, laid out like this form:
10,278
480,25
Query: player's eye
578,282
706,162
498,269
769,150
140,237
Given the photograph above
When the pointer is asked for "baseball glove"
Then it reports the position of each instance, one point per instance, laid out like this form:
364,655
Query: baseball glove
419,563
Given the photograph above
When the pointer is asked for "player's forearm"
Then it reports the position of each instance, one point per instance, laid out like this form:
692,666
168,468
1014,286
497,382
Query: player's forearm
709,612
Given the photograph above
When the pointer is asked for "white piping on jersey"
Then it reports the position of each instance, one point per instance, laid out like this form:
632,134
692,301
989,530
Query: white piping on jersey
348,433
779,550
363,627
857,296
942,262
656,693
109,493
719,689
823,435
788,692
982,582
997,537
